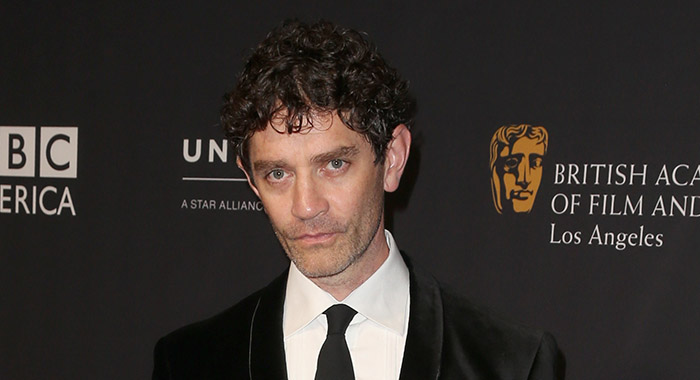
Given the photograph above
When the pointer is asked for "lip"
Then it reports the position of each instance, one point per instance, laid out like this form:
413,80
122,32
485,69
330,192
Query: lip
316,238
521,194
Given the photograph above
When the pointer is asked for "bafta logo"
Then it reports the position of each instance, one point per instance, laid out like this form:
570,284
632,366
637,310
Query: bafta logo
516,166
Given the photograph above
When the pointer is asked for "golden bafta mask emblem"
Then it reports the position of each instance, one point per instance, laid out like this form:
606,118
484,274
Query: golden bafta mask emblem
516,166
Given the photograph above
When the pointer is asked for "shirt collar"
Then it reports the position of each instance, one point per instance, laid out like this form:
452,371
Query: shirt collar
383,298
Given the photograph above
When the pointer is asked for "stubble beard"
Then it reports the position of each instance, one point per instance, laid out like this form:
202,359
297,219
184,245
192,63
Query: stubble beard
326,261
353,240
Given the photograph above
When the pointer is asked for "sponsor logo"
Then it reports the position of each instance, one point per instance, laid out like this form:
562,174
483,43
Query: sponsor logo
209,169
216,154
605,204
647,192
215,161
57,152
38,152
517,152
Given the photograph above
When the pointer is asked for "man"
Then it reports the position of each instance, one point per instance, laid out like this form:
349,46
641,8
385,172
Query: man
516,166
320,123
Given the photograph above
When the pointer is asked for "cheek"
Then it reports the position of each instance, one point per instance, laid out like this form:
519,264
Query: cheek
536,176
276,208
351,200
345,201
509,179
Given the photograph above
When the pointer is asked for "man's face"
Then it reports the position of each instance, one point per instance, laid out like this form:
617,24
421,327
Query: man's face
520,167
322,192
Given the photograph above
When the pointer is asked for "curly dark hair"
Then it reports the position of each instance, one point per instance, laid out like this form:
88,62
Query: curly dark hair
300,70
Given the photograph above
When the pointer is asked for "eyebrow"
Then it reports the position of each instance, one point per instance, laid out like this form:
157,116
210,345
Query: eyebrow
340,152
263,166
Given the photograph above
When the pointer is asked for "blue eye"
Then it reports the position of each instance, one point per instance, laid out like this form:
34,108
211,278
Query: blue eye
336,163
277,174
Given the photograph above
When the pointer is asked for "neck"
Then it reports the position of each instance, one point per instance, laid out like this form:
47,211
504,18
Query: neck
342,284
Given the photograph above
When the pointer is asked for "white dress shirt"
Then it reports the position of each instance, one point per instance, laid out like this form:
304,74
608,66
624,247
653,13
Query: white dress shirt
376,336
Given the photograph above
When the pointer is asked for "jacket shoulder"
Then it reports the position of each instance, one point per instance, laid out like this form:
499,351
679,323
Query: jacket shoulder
220,326
208,348
486,345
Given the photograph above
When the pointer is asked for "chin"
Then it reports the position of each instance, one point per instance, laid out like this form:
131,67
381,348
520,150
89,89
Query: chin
320,270
321,263
524,207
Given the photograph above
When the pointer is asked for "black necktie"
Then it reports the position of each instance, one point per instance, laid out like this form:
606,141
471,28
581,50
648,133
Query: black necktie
334,361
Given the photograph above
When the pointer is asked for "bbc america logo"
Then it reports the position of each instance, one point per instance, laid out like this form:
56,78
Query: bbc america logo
37,152
57,156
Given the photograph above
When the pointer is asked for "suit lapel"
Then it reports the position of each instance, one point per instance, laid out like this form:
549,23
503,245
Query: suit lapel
422,355
267,360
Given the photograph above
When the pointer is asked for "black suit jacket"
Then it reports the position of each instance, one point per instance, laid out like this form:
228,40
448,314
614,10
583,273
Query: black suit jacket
448,338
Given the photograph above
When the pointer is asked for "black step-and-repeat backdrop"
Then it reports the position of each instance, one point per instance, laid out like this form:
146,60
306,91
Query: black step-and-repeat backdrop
123,215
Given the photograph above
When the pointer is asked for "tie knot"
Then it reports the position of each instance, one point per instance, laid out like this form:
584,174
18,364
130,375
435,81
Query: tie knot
339,317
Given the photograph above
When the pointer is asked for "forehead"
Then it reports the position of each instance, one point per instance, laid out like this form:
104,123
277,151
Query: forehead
326,133
524,145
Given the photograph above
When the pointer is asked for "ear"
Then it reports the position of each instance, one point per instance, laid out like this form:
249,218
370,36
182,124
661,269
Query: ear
396,157
247,176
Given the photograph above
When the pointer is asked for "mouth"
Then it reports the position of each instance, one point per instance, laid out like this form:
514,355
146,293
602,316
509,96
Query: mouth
520,194
316,238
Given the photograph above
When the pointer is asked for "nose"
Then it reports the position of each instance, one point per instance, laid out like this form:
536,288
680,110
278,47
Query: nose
523,174
309,200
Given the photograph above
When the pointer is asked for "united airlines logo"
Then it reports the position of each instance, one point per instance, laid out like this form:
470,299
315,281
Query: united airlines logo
209,168
517,152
